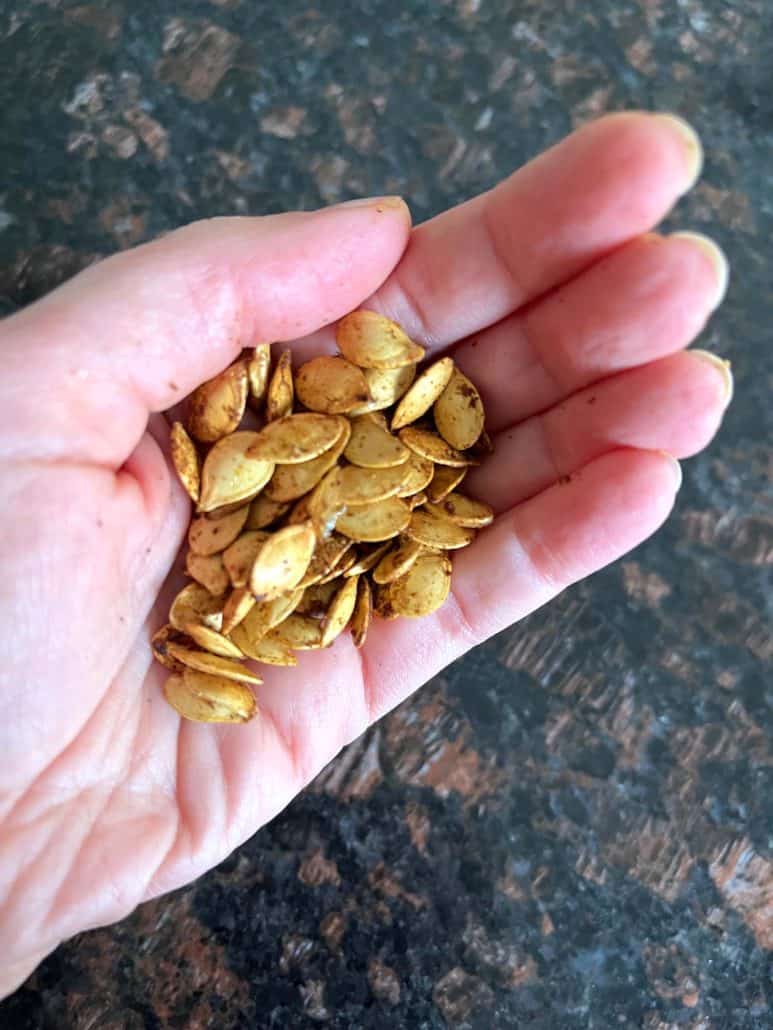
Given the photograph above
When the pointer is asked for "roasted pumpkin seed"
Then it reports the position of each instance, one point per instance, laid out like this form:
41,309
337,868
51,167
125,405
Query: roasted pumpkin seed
195,603
418,473
331,385
444,480
267,649
211,663
258,369
372,446
363,608
216,407
421,591
210,536
432,447
459,413
375,522
230,474
212,641
159,642
371,340
423,394
464,511
290,482
280,392
239,558
185,459
237,607
264,510
439,533
209,571
203,698
282,561
340,611
386,386
295,439
397,562
355,485
299,632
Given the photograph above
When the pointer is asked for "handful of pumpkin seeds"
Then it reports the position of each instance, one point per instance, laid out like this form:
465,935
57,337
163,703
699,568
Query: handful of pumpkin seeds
341,503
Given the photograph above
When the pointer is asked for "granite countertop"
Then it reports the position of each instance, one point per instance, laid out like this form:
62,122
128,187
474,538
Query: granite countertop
572,827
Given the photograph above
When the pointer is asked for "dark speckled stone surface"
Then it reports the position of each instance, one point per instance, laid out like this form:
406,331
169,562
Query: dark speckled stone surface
573,827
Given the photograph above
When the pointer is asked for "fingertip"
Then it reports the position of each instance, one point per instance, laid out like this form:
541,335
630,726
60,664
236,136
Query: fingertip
689,142
714,259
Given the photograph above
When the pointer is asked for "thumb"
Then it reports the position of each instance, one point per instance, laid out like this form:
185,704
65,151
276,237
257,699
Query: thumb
137,332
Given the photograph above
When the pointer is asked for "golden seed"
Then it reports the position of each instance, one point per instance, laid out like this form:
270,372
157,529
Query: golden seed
195,603
216,407
375,522
258,369
299,632
464,511
280,392
212,641
432,447
421,591
205,698
209,571
397,562
423,394
386,386
239,558
340,611
439,533
230,474
210,536
459,413
282,561
331,385
371,340
202,661
373,446
237,607
444,480
186,460
363,609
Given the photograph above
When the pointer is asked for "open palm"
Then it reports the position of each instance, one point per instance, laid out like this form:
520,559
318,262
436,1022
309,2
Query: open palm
556,298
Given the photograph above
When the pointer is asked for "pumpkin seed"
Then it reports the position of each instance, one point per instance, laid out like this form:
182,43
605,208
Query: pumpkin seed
258,369
210,536
203,698
458,412
375,522
195,603
212,663
216,407
325,504
327,555
340,611
295,439
299,632
212,641
237,607
368,560
267,649
432,447
439,533
263,616
372,446
185,459
357,485
464,511
230,474
290,482
419,472
282,561
316,599
263,511
239,558
421,591
386,386
159,642
209,571
280,393
371,340
397,562
423,394
363,608
444,480
331,385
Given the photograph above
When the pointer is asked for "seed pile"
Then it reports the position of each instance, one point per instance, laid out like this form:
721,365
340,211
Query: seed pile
342,502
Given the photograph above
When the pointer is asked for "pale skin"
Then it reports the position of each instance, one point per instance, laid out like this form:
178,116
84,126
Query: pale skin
553,293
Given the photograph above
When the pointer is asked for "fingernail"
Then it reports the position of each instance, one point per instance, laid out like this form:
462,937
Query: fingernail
676,467
378,203
715,256
690,143
720,365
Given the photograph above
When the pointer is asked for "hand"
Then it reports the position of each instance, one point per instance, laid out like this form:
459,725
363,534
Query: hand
558,302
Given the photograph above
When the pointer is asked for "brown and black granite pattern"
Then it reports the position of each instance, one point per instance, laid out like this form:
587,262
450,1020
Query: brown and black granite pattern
573,827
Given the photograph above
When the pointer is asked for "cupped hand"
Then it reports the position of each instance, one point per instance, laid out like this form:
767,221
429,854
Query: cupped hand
553,294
